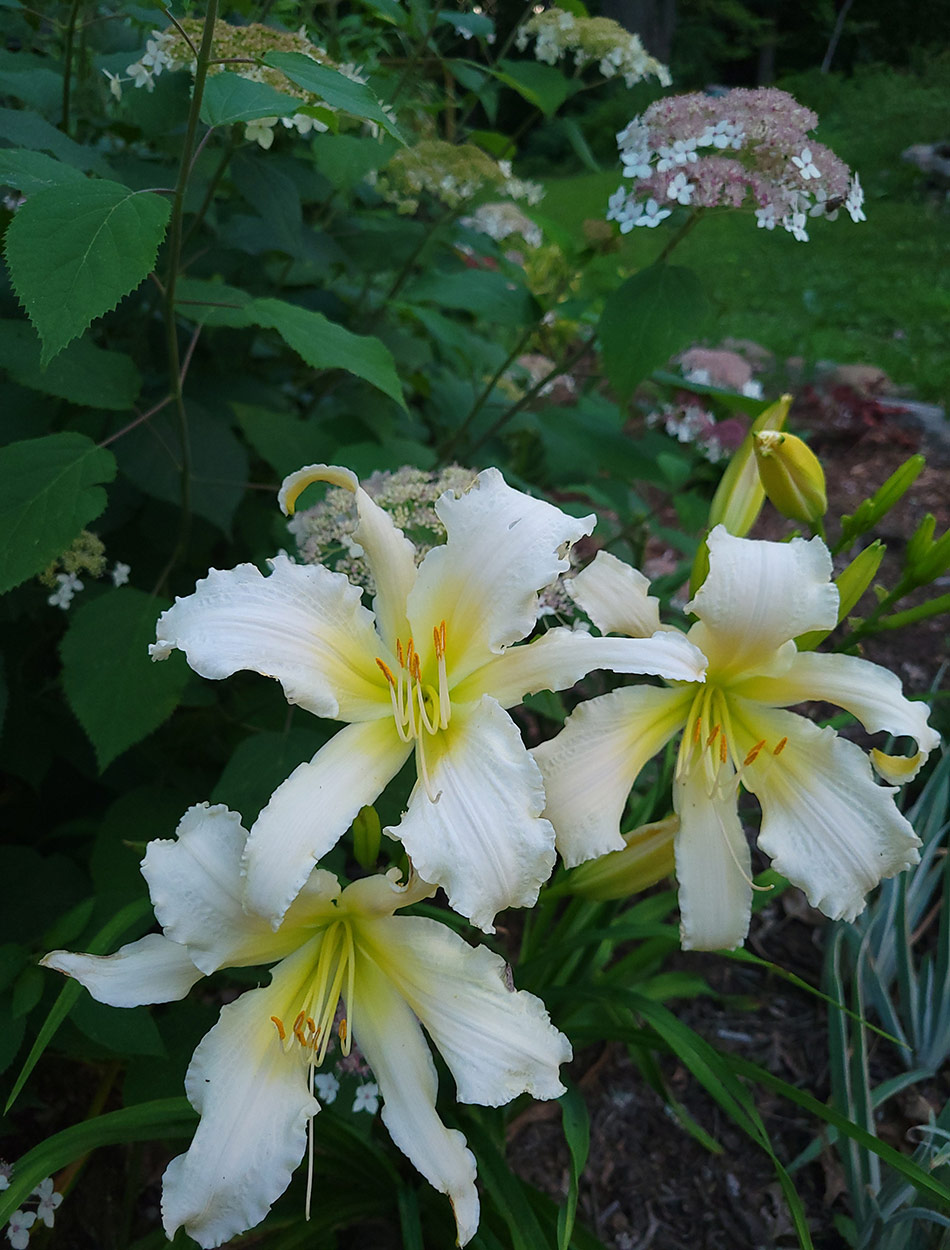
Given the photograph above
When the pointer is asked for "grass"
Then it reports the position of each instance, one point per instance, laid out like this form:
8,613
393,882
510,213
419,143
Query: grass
875,293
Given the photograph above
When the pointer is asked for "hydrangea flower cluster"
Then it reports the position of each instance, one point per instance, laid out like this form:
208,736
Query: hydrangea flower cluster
502,221
687,418
749,146
21,1222
239,47
450,172
616,51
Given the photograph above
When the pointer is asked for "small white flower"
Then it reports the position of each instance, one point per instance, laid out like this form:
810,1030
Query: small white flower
700,377
49,1200
855,201
765,217
617,204
367,1098
752,389
141,75
120,573
18,1229
327,1086
261,131
805,165
680,189
651,215
115,84
795,225
6,1171
69,586
636,164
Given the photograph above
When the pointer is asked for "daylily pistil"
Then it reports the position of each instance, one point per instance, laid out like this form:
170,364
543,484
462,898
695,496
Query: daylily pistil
418,707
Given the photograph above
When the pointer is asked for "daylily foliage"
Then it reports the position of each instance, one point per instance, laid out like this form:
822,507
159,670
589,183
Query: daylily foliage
429,672
252,1077
825,823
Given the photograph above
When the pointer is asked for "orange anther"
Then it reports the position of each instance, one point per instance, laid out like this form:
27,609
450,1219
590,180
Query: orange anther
750,758
723,749
712,737
298,1030
697,730
437,641
416,669
399,655
780,746
442,636
342,1030
387,671
279,1024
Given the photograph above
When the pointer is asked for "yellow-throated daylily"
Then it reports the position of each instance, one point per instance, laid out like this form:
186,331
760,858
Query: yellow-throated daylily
825,823
429,672
251,1077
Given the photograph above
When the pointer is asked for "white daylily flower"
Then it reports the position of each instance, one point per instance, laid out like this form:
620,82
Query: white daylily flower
428,673
827,826
252,1077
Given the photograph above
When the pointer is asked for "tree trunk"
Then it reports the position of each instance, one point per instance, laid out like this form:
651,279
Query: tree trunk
653,20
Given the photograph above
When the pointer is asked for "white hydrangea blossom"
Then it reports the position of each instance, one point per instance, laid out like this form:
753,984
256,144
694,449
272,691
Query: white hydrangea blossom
590,40
367,1098
69,586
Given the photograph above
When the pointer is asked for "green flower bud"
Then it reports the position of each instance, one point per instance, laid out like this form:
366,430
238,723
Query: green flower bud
852,582
739,496
868,513
791,475
646,859
367,834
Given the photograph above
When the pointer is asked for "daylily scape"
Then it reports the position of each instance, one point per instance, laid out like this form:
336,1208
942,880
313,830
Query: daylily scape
251,1077
826,824
429,672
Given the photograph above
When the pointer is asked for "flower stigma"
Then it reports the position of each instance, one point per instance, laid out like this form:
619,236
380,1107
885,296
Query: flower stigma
418,707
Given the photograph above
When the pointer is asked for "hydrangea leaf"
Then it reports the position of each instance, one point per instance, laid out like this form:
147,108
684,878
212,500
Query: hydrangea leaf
75,250
82,373
50,488
340,92
544,86
646,319
29,172
230,98
115,690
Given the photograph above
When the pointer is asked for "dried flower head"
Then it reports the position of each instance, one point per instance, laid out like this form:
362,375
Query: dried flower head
747,147
598,40
504,221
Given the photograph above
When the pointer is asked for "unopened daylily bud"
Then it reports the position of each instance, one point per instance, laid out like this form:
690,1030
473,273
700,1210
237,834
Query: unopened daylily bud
367,834
646,859
927,559
852,582
884,498
791,475
921,540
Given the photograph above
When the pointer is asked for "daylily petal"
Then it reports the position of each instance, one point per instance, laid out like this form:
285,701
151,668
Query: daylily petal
389,553
151,970
197,886
559,658
825,823
589,767
713,867
254,1105
390,1037
503,547
301,624
482,839
758,596
869,692
498,1042
615,597
310,811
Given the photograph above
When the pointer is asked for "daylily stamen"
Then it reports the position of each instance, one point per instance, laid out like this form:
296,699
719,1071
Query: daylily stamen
780,746
712,737
281,1031
753,754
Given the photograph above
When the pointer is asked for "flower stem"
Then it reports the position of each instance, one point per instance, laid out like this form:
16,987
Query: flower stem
68,62
680,235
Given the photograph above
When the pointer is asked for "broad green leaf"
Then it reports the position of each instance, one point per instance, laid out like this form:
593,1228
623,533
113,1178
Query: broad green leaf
346,159
576,1122
34,171
167,1117
647,319
230,98
325,345
258,766
49,490
213,303
275,198
82,373
116,691
329,84
544,86
74,251
26,129
476,24
485,293
284,440
123,1030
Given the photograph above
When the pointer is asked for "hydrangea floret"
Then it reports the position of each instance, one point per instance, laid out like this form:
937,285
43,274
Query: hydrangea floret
451,173
253,1077
240,48
592,40
428,673
748,147
827,826
504,222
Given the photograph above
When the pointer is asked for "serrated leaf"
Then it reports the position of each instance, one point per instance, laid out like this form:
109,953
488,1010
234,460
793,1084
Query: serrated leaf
34,171
116,691
649,317
26,129
230,98
74,251
544,86
329,84
49,490
82,373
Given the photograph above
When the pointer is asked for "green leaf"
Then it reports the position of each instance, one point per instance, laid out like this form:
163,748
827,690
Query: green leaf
230,98
485,293
544,86
116,691
26,129
123,1030
346,159
320,342
285,441
649,317
49,489
74,251
258,766
329,84
577,1135
34,171
82,373
166,1117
